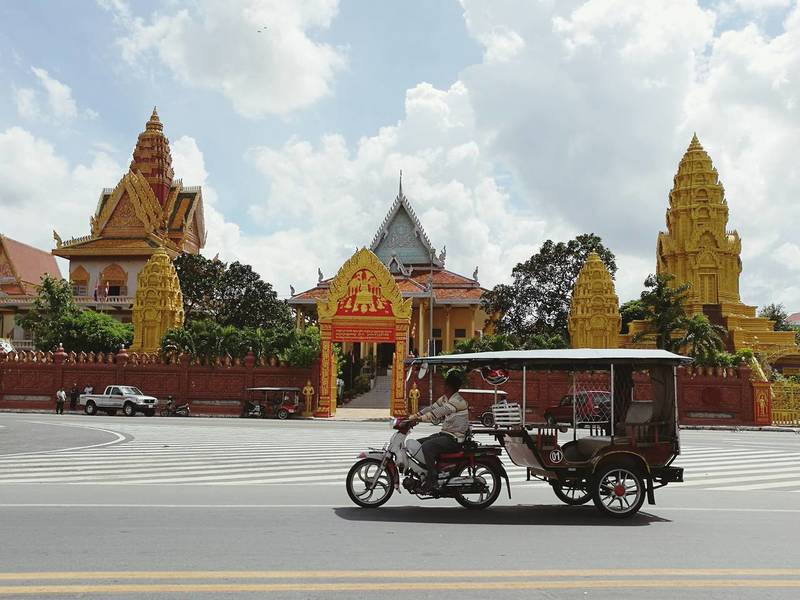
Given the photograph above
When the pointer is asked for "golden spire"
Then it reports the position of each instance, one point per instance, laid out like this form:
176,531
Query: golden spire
152,158
154,124
594,319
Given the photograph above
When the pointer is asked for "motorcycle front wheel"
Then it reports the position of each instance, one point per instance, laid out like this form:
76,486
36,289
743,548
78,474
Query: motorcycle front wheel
367,485
487,473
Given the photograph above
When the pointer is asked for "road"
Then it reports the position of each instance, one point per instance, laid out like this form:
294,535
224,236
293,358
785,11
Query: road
116,507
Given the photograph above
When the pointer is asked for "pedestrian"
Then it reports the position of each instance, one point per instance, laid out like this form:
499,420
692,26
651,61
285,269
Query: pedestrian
61,397
74,394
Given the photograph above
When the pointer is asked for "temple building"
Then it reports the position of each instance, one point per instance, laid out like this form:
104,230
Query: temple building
147,210
698,249
402,245
21,270
594,319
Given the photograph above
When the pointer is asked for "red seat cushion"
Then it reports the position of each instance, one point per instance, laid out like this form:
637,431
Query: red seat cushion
451,455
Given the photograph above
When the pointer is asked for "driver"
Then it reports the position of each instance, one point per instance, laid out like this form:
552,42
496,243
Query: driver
455,411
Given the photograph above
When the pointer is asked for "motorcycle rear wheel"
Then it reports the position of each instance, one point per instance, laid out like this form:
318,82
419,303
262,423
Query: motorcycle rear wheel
359,479
479,501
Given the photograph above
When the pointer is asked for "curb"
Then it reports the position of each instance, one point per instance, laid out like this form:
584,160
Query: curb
770,428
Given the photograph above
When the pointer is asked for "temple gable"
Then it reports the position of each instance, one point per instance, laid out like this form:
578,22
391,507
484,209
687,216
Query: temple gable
401,240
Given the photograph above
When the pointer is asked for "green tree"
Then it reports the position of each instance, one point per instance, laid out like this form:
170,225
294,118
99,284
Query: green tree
246,300
91,331
632,310
47,319
538,300
664,307
777,313
304,348
229,294
199,279
701,338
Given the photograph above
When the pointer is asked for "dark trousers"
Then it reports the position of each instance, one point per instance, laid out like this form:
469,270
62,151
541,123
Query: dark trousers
59,407
433,446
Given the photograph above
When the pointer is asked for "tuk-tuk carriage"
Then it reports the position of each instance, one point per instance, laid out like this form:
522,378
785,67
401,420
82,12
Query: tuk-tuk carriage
279,402
481,402
620,451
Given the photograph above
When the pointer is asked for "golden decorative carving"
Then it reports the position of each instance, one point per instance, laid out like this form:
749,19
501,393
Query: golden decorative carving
374,281
698,249
159,302
594,319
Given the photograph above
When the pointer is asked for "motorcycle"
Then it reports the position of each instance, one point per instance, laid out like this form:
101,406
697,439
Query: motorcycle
253,409
181,410
472,476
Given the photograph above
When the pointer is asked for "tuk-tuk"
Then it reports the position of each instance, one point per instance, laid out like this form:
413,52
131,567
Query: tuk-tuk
620,452
279,402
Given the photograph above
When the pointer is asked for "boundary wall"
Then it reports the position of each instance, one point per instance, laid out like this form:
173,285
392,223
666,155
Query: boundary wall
30,380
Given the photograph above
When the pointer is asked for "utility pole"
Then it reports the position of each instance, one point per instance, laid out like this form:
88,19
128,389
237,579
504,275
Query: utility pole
431,341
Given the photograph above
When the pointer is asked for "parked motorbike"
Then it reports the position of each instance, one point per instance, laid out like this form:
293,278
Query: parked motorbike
254,409
171,410
472,475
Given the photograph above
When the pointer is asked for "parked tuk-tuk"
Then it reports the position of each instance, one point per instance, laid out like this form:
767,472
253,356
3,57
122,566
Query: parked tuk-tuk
279,402
620,451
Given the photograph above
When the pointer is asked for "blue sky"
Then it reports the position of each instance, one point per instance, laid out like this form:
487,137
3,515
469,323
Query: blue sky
513,122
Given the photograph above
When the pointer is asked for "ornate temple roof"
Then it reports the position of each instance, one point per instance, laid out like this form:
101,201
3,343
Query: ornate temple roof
403,246
22,267
401,241
448,288
147,209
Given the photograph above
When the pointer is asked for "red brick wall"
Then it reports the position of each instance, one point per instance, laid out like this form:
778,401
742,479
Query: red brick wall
30,380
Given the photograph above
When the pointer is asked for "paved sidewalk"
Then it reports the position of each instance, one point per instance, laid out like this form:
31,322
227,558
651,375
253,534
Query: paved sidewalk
346,413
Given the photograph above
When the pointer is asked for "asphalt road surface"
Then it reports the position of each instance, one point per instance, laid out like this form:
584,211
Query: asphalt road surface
116,507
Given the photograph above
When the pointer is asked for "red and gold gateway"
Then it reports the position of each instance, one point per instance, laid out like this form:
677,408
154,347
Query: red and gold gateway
363,303
391,300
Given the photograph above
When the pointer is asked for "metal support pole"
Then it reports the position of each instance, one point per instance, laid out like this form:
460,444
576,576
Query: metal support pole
574,412
675,409
612,403
524,393
431,341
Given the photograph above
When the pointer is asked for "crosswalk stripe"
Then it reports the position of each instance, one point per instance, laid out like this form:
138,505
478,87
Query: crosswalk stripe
305,454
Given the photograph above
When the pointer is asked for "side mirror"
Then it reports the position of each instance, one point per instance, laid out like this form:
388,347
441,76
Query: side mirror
423,370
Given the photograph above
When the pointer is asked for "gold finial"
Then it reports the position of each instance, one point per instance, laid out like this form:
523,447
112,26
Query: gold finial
154,123
695,143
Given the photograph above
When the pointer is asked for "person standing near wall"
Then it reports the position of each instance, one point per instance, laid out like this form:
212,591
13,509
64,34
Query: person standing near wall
74,394
61,397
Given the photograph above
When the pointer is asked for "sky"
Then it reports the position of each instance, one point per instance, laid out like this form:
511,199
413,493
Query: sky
513,122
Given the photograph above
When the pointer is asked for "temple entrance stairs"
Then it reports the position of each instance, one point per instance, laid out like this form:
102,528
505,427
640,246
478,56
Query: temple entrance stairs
378,396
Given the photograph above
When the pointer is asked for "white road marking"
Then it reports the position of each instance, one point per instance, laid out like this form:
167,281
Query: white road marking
306,454
426,507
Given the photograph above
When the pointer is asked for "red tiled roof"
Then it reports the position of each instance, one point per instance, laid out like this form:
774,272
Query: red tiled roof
30,263
447,286
794,319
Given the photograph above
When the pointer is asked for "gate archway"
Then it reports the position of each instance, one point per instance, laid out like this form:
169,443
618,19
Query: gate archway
364,304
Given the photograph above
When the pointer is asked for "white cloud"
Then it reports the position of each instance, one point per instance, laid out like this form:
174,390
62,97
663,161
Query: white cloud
40,190
51,102
258,53
327,199
595,111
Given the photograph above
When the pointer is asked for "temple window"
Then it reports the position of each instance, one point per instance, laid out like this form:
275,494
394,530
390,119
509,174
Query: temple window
113,281
79,280
460,333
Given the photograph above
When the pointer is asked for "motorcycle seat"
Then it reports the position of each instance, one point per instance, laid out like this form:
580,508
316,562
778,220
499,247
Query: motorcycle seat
451,455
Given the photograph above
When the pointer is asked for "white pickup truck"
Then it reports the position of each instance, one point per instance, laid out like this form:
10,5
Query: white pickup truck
125,397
